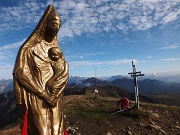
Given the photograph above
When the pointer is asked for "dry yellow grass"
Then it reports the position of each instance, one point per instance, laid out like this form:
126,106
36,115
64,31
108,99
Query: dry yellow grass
11,131
93,116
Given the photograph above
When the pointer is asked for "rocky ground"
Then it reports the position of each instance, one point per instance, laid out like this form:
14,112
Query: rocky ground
86,115
89,116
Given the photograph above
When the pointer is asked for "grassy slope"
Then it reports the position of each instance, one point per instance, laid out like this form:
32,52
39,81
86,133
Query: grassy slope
93,117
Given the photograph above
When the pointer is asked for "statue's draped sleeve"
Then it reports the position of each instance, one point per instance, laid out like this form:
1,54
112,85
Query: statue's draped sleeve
24,78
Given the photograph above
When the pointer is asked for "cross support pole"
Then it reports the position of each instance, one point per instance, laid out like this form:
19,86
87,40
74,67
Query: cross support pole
134,74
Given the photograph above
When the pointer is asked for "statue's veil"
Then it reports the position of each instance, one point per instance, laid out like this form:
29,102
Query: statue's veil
49,14
37,35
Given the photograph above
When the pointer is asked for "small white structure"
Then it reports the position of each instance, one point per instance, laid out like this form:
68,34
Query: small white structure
95,93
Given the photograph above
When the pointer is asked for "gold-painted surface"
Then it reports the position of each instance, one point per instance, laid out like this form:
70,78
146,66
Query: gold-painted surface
40,77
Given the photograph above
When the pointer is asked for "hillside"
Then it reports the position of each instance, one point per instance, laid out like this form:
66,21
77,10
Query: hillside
6,85
86,115
146,86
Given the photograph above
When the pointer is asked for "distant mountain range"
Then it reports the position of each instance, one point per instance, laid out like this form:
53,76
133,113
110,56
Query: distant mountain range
146,86
6,85
150,83
163,76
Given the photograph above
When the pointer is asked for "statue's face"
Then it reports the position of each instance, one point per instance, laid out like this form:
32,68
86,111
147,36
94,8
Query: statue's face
52,27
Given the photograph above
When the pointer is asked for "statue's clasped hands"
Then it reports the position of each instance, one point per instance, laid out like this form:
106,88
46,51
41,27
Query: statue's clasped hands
51,100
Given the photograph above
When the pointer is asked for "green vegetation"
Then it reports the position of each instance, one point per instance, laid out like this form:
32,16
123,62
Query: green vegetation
97,109
137,113
91,115
91,109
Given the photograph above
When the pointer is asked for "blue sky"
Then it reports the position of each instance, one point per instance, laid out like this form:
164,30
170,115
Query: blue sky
106,35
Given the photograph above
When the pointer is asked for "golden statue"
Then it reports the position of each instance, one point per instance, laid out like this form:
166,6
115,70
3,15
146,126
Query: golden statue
40,77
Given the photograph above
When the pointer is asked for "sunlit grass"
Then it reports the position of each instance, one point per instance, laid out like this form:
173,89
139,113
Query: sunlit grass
11,131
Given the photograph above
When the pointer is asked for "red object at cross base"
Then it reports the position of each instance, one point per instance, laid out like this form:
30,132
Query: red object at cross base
124,103
24,130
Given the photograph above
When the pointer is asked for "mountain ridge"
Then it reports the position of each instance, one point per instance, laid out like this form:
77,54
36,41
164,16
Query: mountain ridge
146,85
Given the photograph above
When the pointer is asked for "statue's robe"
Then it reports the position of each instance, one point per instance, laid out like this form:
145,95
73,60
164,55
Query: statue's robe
32,71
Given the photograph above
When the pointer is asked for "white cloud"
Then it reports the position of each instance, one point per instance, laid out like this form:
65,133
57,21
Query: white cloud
171,16
6,72
81,57
13,45
80,6
170,59
84,55
2,56
6,50
98,53
79,17
159,0
148,57
76,64
169,47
